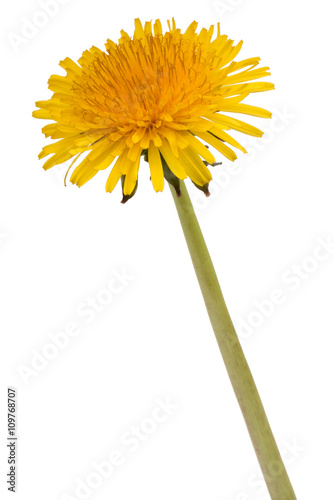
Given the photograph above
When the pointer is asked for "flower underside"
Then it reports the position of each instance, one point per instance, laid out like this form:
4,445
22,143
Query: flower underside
161,96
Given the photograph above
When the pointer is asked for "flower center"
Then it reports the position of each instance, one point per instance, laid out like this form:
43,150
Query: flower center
145,85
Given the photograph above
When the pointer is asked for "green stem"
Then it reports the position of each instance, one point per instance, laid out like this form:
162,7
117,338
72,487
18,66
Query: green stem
263,441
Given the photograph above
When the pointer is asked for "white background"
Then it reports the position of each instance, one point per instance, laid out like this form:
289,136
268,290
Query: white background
59,246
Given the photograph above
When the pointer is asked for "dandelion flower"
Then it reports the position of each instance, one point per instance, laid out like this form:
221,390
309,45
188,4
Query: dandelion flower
160,96
167,98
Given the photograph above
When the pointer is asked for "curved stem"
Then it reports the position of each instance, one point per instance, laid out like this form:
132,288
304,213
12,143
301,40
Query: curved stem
263,441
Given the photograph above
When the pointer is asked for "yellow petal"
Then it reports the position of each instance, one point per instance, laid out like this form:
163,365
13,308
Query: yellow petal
156,169
148,29
99,148
59,83
137,136
133,152
245,76
172,161
195,168
115,173
246,109
44,114
57,159
236,66
103,161
198,147
158,28
138,32
154,136
131,177
226,138
238,125
217,144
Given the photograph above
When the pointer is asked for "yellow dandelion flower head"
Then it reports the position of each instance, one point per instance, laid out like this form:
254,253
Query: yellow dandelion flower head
158,96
